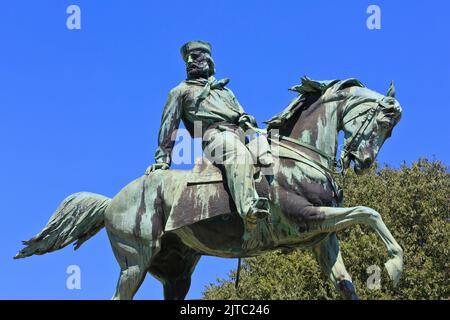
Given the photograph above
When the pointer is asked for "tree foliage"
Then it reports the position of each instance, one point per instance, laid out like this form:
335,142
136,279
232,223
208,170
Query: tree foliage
414,203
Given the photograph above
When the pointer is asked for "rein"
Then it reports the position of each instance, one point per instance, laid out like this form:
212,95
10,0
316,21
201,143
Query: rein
331,162
370,115
328,171
350,147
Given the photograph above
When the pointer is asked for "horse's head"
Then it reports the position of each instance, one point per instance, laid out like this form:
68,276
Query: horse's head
368,120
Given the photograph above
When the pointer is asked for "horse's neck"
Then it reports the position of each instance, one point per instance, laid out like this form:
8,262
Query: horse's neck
314,123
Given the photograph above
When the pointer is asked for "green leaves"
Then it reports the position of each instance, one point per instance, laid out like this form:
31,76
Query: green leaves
414,203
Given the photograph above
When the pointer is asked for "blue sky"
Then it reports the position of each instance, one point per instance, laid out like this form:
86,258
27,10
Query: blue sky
80,109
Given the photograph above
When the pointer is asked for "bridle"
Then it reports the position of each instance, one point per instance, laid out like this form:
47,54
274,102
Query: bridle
330,170
370,113
334,164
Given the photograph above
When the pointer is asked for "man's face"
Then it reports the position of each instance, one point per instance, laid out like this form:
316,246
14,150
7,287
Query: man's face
197,65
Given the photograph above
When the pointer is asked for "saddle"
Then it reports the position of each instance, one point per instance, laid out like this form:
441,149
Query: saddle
203,194
205,172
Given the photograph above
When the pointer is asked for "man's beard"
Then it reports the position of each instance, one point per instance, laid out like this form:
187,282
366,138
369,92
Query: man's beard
198,70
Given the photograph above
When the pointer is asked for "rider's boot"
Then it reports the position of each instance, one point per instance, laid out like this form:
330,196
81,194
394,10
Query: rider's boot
258,210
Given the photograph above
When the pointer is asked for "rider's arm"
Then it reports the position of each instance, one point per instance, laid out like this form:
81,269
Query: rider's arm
170,122
244,117
236,103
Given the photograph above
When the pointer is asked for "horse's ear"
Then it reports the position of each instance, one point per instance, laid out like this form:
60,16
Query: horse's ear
391,91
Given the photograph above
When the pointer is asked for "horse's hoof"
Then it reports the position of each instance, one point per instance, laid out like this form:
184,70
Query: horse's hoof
394,268
348,291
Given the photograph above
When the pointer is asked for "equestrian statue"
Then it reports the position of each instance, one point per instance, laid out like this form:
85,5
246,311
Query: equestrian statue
252,192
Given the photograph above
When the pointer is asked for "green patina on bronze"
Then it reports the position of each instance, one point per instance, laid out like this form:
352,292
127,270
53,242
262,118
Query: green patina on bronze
165,220
203,101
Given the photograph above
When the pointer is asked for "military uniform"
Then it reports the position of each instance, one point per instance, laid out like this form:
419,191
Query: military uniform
208,104
218,112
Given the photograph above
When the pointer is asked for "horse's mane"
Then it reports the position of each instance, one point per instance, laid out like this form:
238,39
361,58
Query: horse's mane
308,86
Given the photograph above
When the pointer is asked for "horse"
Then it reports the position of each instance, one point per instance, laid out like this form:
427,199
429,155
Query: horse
164,222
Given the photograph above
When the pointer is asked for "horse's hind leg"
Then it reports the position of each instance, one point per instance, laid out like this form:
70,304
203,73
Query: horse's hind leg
177,288
339,218
175,276
173,267
130,280
328,254
134,259
176,284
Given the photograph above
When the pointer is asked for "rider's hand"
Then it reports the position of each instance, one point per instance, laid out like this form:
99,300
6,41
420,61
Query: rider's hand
247,118
157,166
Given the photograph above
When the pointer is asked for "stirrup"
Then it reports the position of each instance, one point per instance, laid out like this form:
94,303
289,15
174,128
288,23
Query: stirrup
258,213
260,209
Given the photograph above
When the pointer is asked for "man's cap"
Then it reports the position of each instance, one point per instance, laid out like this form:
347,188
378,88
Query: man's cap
195,45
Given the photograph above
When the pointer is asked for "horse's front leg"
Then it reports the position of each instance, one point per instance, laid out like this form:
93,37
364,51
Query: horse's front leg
328,254
335,219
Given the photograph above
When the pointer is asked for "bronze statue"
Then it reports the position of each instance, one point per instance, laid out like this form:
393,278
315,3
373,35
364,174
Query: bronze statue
203,101
164,221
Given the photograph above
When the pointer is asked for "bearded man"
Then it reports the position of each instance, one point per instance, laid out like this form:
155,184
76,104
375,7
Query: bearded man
203,100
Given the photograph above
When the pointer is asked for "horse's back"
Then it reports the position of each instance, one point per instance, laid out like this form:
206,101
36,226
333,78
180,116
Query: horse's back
136,211
201,194
167,200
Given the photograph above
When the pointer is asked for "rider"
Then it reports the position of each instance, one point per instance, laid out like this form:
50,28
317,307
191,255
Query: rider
201,99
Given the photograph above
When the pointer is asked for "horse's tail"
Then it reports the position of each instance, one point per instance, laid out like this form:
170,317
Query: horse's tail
78,218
